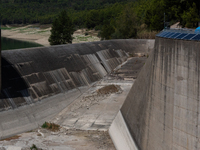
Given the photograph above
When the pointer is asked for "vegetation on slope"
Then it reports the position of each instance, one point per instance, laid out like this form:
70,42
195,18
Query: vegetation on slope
44,11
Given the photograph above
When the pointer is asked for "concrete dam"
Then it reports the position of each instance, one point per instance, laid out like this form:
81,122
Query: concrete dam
161,111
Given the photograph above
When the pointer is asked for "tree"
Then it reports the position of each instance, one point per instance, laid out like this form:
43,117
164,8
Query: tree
106,31
92,19
154,16
126,24
191,17
62,30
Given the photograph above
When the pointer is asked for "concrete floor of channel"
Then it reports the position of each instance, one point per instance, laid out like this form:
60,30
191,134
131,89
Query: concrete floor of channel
84,124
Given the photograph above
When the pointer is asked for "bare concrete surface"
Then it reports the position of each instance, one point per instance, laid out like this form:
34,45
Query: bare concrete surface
120,134
162,108
84,122
132,68
38,83
94,111
61,140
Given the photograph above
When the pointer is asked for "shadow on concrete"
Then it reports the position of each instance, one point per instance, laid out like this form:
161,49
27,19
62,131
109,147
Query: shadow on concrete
14,88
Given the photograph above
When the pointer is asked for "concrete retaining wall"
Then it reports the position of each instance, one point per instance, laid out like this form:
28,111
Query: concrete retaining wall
162,108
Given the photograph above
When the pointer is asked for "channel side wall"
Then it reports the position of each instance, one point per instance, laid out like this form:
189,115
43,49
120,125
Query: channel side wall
29,75
38,83
161,110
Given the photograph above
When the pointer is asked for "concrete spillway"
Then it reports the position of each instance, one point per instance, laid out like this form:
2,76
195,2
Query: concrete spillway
160,112
162,109
38,83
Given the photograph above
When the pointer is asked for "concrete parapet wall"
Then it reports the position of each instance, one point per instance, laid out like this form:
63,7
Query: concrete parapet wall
162,108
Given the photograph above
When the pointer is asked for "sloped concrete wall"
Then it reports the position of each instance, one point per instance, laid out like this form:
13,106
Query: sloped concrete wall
162,108
29,75
38,83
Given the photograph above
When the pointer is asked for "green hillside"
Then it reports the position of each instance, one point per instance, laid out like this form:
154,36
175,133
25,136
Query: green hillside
44,11
114,18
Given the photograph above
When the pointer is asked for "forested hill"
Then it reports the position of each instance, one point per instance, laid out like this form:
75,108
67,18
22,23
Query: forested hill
114,18
74,4
44,11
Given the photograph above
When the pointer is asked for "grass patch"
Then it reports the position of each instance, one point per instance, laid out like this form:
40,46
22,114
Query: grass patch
7,28
42,31
83,38
22,30
51,126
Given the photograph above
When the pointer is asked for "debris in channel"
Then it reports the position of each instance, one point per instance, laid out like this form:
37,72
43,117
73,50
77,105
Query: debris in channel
94,98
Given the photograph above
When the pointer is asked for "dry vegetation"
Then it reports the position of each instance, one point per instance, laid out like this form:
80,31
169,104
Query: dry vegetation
92,99
147,34
108,89
11,138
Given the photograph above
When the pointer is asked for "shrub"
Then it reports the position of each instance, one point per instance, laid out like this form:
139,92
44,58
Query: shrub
34,147
45,125
51,126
